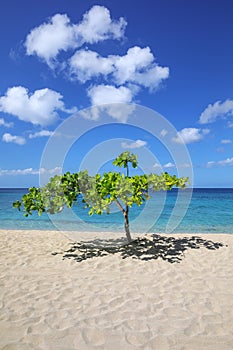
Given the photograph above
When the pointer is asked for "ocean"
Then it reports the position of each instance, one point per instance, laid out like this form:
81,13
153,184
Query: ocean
199,210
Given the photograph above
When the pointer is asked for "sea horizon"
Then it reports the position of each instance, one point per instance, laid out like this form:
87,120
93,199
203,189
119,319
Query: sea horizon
209,211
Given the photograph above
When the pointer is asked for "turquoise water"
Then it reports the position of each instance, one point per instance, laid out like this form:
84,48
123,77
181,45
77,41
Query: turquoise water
209,211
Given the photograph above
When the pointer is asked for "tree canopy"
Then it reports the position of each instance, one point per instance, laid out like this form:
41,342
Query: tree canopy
98,192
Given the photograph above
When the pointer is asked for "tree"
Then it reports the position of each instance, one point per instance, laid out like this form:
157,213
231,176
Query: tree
98,192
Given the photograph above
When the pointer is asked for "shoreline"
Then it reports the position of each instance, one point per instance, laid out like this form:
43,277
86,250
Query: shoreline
108,302
95,232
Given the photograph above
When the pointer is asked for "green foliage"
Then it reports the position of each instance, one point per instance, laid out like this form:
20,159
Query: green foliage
126,157
98,192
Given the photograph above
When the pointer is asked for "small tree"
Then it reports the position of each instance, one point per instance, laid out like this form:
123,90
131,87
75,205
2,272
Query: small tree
98,192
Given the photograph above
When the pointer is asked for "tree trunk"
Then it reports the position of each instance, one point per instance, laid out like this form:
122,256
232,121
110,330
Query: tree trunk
127,231
125,212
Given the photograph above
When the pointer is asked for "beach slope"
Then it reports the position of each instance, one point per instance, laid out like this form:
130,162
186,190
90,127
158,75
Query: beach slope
179,299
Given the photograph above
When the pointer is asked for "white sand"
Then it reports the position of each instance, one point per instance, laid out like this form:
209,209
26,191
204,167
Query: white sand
112,303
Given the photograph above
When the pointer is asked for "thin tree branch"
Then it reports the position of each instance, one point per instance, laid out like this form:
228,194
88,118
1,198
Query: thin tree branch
119,205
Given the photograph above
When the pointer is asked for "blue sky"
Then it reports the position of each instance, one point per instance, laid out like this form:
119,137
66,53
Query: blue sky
171,56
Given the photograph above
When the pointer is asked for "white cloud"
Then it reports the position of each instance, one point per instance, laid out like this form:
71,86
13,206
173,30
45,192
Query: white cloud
27,171
59,34
30,171
111,100
39,108
225,142
133,145
217,110
169,165
157,165
225,162
55,171
86,64
172,165
97,25
5,124
13,139
122,76
189,135
138,66
41,133
134,61
230,125
163,132
48,39
228,161
118,111
105,94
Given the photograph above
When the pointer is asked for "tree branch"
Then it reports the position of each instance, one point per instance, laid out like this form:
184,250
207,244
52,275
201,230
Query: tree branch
119,205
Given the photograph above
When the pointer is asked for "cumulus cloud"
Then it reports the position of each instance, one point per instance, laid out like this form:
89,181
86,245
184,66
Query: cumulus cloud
121,77
59,34
136,60
48,39
138,66
190,135
41,133
117,78
86,64
30,171
134,144
39,108
118,111
104,94
5,124
224,162
13,139
97,25
217,110
114,101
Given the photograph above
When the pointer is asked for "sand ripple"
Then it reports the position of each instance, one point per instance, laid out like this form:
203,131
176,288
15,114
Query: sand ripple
107,302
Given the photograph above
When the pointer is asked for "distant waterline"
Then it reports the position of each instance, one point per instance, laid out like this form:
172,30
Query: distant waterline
210,211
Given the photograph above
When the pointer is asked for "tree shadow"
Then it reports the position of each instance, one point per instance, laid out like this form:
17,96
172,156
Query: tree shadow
144,248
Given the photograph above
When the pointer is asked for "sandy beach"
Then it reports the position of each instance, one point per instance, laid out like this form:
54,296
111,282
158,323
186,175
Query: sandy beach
179,297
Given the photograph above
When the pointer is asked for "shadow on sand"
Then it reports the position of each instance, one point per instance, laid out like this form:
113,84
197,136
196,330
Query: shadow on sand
144,248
